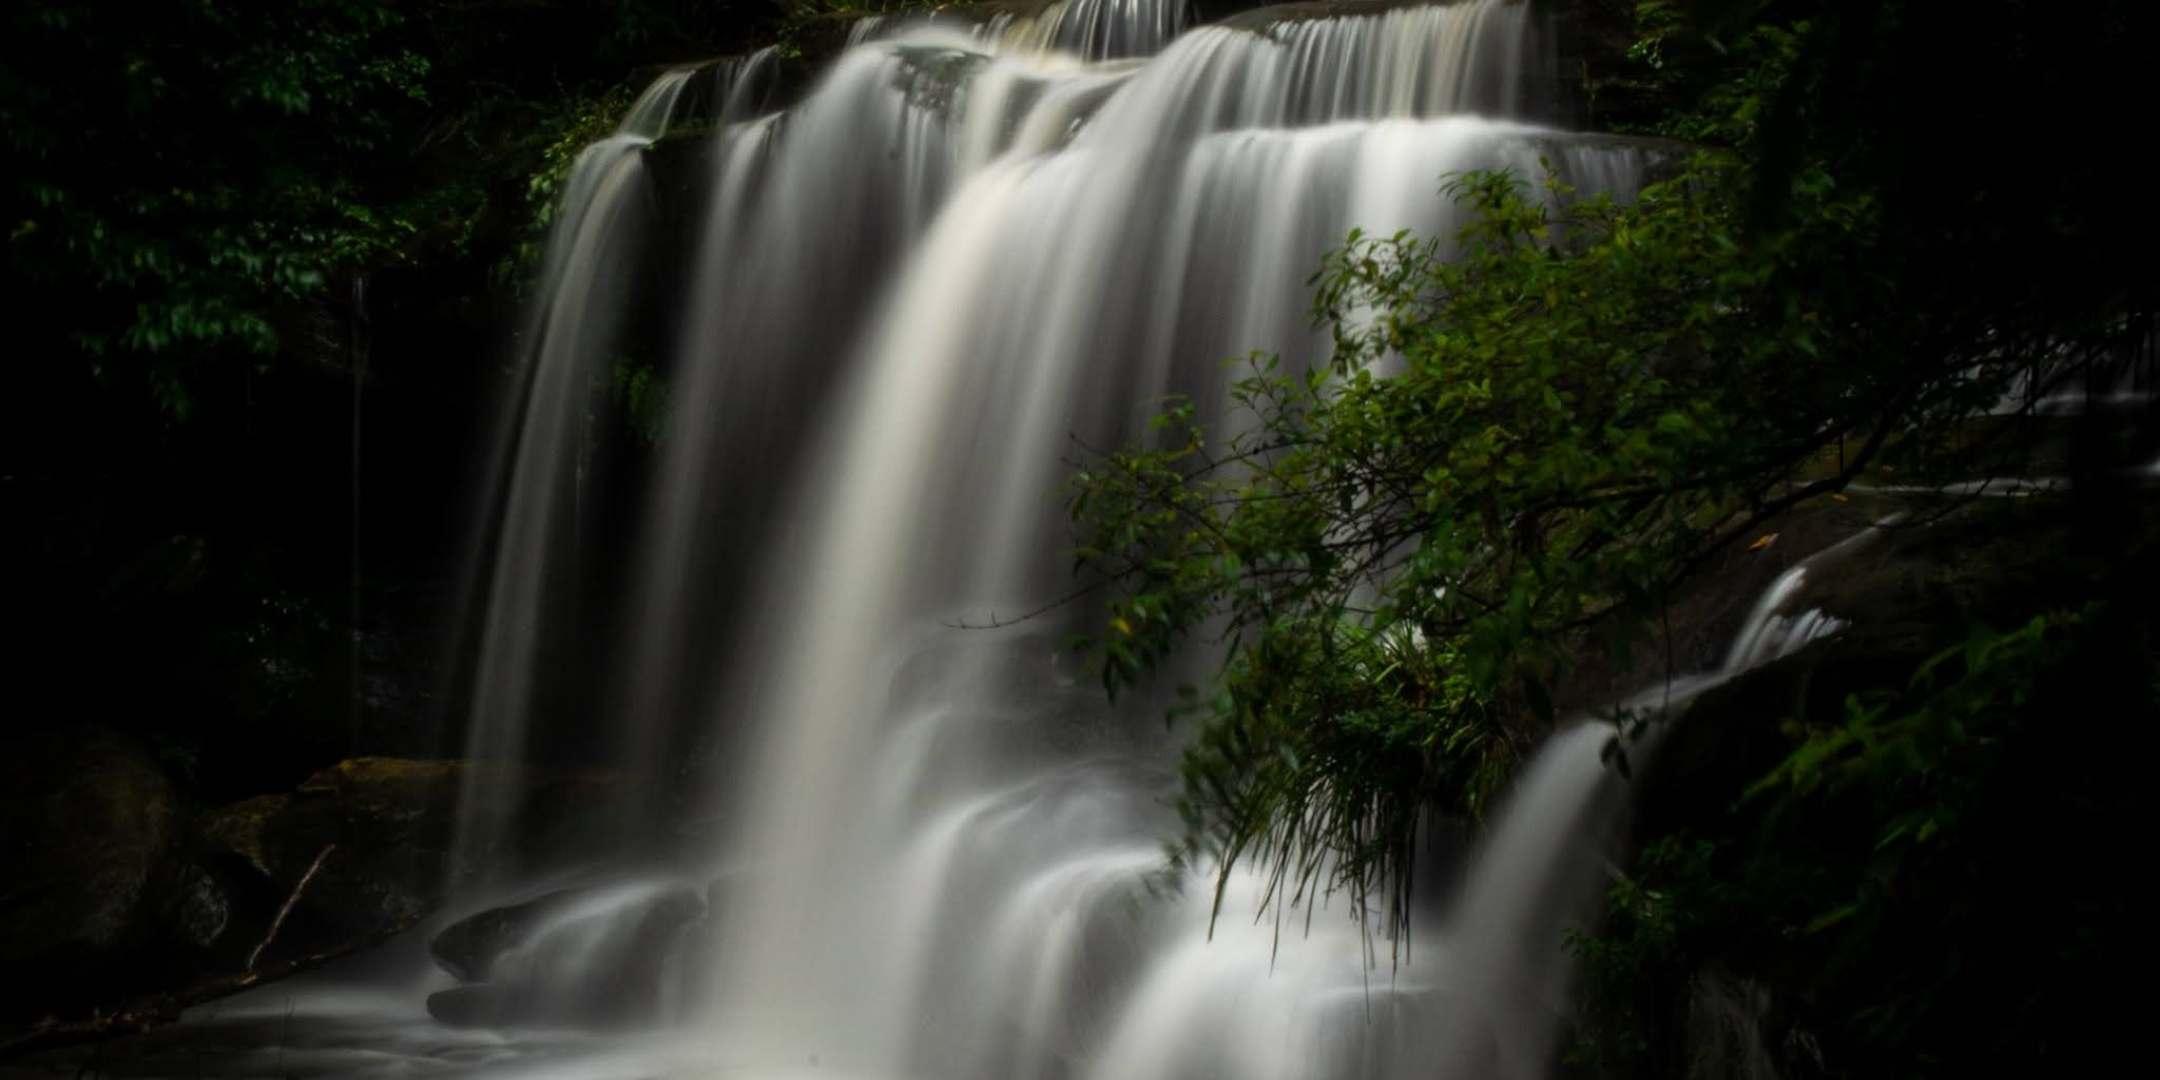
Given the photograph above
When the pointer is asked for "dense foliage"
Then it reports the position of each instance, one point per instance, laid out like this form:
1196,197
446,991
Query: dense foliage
1530,437
1403,557
188,174
175,240
264,258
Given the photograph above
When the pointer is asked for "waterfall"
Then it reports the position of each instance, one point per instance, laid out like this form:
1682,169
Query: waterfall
1089,29
908,297
1096,29
598,226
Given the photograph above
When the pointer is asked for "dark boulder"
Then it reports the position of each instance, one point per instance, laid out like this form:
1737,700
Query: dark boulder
368,846
89,827
195,909
469,947
599,958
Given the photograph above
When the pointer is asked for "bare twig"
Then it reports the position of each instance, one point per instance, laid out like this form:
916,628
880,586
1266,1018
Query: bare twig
279,922
996,623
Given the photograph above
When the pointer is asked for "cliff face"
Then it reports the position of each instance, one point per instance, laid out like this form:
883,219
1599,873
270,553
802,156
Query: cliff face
1898,849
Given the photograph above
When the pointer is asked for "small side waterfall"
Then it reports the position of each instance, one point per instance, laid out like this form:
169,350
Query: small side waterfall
598,229
909,293
1543,864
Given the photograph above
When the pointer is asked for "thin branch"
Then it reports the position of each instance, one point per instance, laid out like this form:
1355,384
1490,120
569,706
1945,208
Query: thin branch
278,923
996,623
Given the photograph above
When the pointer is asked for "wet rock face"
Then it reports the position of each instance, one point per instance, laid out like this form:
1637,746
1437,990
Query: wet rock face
1695,627
1918,583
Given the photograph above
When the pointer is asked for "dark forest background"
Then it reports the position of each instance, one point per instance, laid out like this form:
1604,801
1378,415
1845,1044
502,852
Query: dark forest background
264,262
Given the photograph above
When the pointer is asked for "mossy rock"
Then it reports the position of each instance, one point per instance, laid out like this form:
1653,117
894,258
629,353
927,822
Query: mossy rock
239,830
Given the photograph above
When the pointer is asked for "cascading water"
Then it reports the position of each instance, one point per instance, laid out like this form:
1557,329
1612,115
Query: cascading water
1089,29
1095,29
910,293
571,329
588,275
